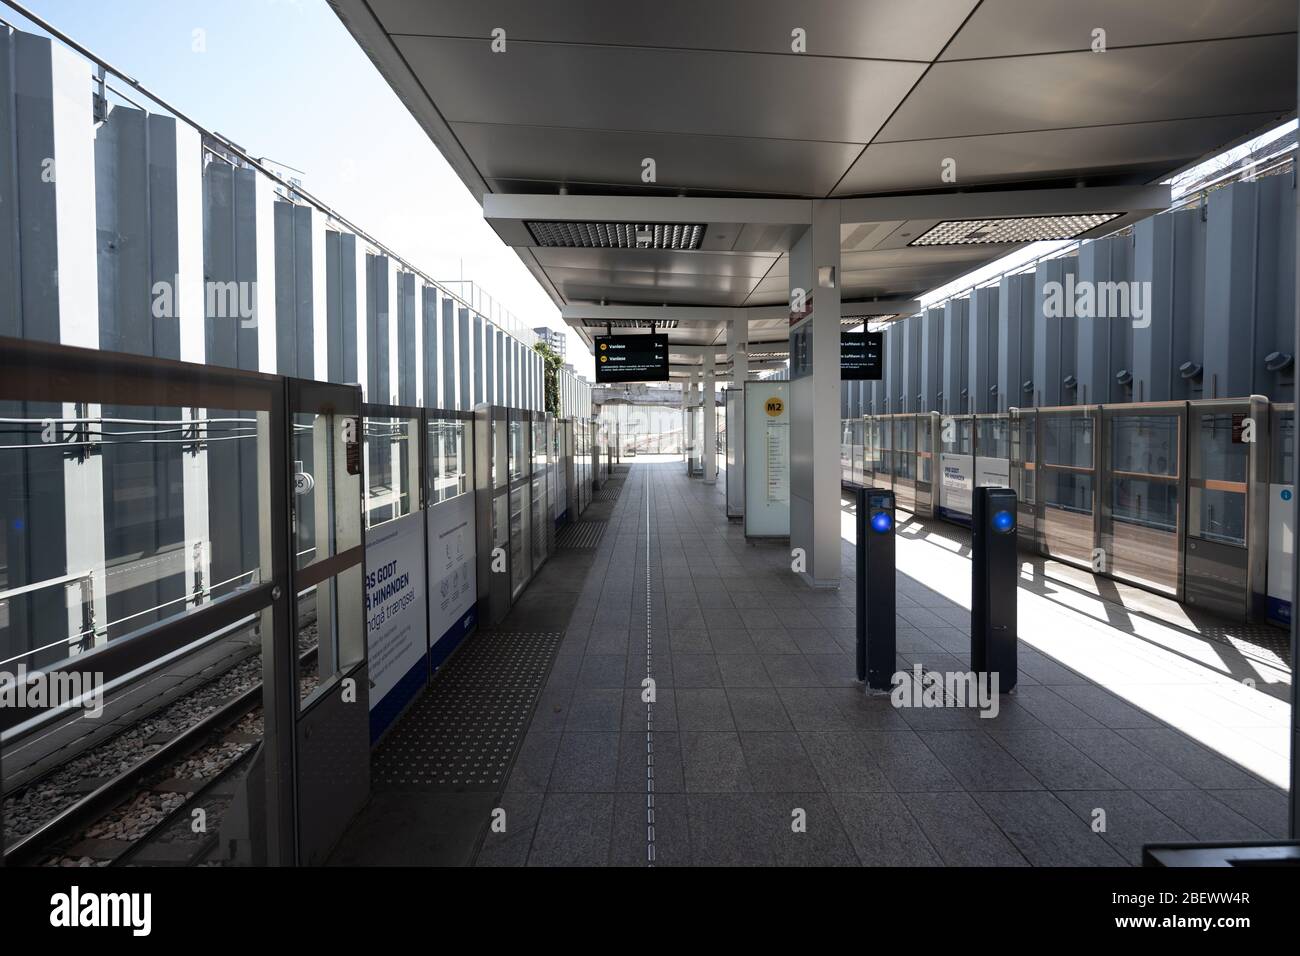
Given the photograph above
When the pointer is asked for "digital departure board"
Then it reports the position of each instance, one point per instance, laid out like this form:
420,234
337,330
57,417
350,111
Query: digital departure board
860,356
631,358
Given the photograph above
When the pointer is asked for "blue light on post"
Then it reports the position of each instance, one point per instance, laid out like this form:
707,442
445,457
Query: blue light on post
1004,521
881,522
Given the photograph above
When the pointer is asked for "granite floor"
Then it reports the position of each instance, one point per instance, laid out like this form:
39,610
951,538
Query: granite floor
760,747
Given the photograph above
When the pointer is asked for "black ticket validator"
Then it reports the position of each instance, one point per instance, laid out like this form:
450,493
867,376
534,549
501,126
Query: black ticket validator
995,569
875,593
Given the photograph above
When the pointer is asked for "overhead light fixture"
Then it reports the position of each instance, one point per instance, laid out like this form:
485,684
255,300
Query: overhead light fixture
617,235
964,232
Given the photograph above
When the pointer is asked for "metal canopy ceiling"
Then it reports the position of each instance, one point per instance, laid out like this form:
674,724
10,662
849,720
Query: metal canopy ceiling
887,90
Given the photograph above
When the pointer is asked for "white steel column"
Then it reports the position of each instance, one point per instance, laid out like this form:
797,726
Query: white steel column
815,401
709,403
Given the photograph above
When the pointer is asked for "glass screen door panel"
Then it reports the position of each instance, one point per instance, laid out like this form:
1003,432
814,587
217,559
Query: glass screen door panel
1067,485
1142,520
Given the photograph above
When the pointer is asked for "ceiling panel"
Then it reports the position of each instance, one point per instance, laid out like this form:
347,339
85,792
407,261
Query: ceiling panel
774,290
1071,90
937,256
656,261
1018,27
592,285
622,88
1140,151
883,29
702,163
710,89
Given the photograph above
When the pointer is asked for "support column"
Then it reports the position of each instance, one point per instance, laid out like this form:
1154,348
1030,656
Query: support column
738,352
815,400
709,404
1294,829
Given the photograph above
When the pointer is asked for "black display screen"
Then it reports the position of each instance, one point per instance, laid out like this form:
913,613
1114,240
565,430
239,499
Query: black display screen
860,356
631,358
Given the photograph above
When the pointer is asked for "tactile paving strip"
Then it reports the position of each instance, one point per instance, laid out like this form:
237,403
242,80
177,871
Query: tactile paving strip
609,492
1271,645
581,535
463,733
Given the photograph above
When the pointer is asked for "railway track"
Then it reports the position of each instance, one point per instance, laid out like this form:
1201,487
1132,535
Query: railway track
74,815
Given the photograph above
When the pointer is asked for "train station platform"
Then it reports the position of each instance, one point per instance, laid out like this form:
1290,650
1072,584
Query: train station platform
540,743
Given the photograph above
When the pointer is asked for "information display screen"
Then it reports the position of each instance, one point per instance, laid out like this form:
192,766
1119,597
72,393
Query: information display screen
631,358
860,356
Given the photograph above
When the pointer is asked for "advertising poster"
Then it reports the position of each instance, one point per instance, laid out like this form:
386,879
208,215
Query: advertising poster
956,483
452,581
395,617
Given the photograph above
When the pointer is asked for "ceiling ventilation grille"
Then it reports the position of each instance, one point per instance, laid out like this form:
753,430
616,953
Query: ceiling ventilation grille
617,235
956,232
661,326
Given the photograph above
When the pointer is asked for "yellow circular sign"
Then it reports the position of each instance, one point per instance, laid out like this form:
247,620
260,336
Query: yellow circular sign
603,346
774,407
604,358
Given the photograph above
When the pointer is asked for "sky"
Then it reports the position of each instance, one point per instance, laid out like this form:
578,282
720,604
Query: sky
286,81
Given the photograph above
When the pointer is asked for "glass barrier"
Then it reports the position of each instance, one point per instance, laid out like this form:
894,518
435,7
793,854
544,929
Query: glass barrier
447,451
1220,458
885,452
1067,484
144,509
100,543
518,446
392,468
905,462
1141,519
1023,470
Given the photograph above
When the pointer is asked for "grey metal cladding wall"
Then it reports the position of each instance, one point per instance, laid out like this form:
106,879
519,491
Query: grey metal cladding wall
406,350
448,343
911,364
1229,292
898,384
931,359
1053,337
982,350
1249,281
378,387
490,378
462,354
29,256
500,337
1104,330
480,362
429,327
229,259
294,333
955,393
11,311
1169,253
1277,302
1015,341
136,232
341,307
